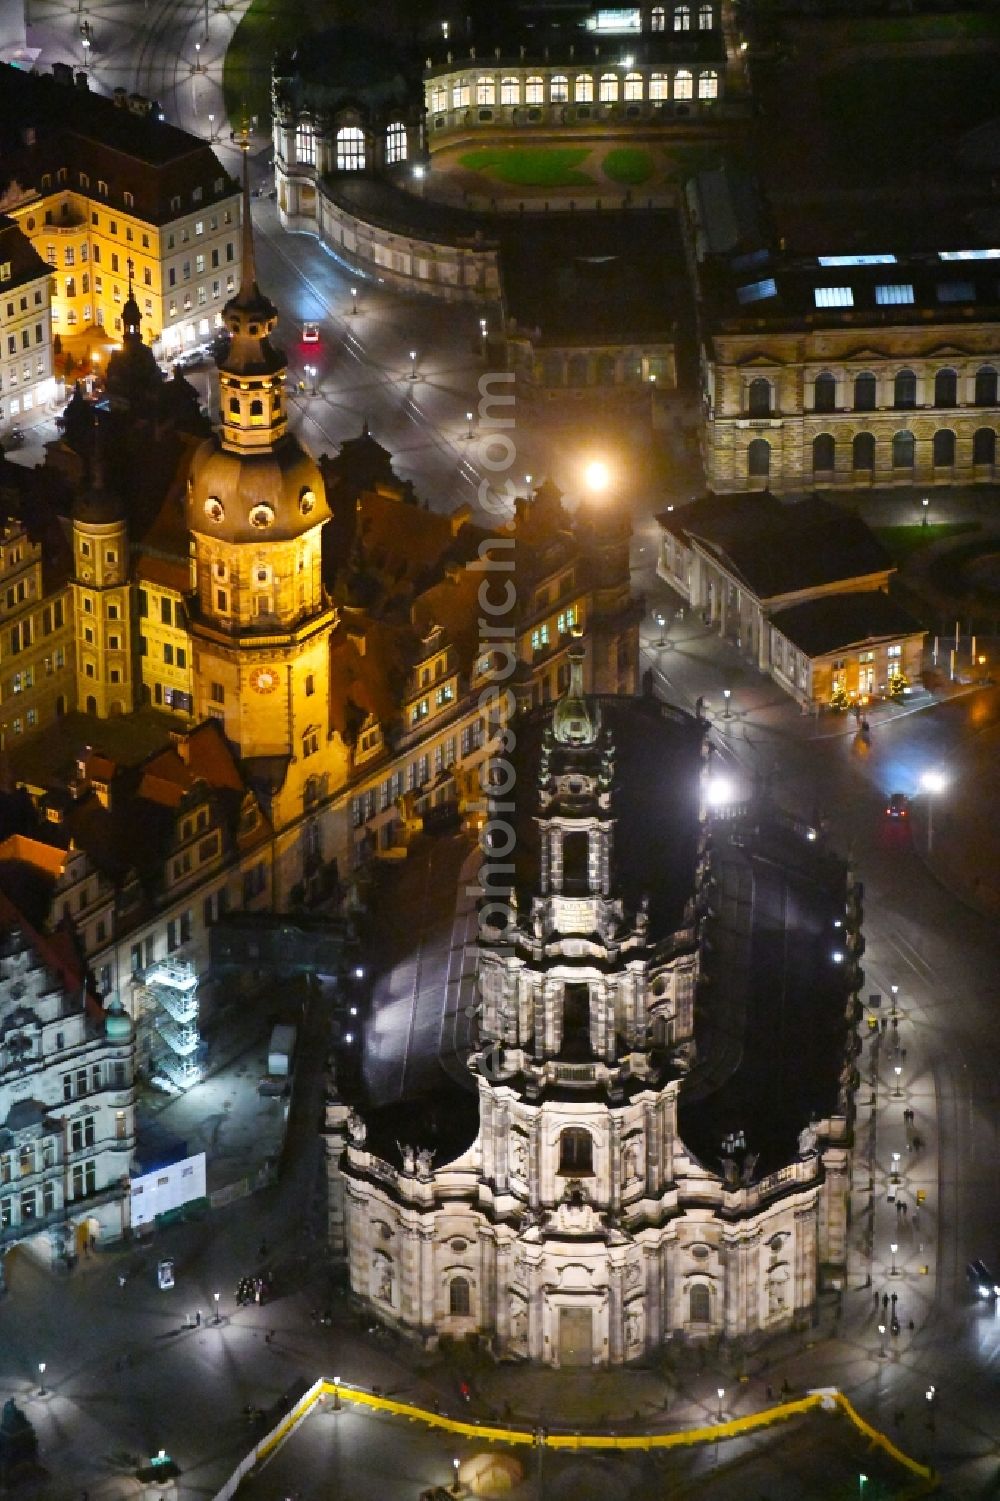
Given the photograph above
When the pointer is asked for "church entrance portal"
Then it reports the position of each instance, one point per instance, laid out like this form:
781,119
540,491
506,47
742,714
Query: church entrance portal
576,1336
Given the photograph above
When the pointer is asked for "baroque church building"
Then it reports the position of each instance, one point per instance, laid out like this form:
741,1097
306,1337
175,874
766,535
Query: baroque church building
597,1195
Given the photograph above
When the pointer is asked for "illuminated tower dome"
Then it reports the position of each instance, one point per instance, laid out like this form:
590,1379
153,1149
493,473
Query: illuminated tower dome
256,507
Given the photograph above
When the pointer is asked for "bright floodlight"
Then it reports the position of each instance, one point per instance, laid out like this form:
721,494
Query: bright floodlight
933,781
718,792
597,475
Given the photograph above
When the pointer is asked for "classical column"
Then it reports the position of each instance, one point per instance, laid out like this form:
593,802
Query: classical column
428,1319
615,1164
616,1315
487,1279
653,1310
763,640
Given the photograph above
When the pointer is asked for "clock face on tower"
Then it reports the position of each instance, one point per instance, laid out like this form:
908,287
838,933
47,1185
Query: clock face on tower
264,679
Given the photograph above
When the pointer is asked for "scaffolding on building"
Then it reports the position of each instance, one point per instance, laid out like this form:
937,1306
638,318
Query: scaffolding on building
166,1002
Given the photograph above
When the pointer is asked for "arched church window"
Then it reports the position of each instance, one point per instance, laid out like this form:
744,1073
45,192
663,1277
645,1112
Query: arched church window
459,1297
305,145
576,1151
699,1304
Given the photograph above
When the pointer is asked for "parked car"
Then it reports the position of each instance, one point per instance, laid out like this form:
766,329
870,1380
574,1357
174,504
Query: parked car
898,806
982,1279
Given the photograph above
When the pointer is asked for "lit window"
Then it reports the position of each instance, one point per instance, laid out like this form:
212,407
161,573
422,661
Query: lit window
659,18
757,291
395,143
510,91
305,146
706,18
893,293
350,149
658,87
460,94
559,89
486,91
708,85
683,84
834,297
682,18
608,91
584,89
438,98
534,90
633,86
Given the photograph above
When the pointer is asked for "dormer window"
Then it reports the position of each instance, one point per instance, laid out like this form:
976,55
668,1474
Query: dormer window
128,200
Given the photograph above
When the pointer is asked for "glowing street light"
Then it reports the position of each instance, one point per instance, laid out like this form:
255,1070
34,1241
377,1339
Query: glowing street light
217,1296
469,420
312,372
413,364
597,475
197,57
897,1093
932,783
722,1398
925,503
862,1482
211,126
661,621
727,694
893,1268
718,792
456,1484
882,1352
336,1393
354,299
41,1378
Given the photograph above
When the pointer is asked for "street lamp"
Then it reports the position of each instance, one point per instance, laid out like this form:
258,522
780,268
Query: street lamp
727,694
882,1352
862,1482
197,57
41,1378
527,483
925,503
456,1483
722,1398
336,1393
894,992
932,782
661,621
897,1069
413,364
893,1268
718,792
895,1167
468,418
211,126
217,1296
354,299
597,475
312,372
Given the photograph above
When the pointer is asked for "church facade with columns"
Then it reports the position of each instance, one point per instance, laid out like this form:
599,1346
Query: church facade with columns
599,1190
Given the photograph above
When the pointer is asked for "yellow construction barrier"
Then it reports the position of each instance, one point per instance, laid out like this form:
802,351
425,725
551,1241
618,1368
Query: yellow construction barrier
483,1433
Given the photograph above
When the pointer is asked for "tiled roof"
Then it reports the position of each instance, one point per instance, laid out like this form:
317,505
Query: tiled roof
46,125
841,621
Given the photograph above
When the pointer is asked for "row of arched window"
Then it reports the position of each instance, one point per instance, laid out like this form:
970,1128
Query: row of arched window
560,88
460,1300
824,451
681,17
760,392
350,143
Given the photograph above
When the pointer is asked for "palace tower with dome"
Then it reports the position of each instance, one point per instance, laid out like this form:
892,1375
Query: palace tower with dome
256,507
